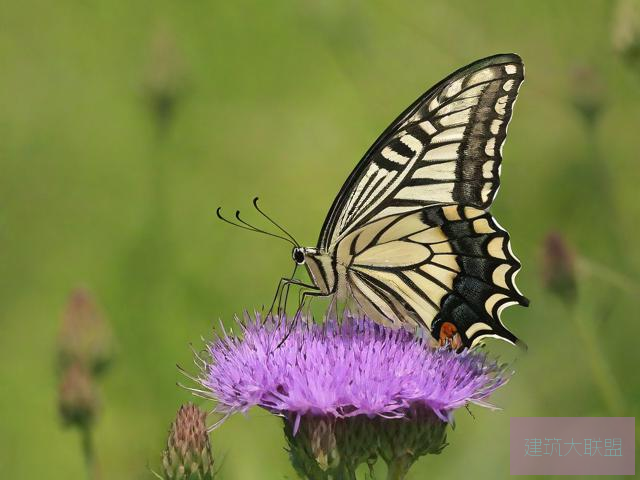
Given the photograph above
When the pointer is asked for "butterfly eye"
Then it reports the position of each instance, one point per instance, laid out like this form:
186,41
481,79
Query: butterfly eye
298,256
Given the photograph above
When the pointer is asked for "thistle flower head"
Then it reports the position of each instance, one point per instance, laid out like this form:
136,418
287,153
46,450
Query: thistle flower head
349,392
188,453
342,370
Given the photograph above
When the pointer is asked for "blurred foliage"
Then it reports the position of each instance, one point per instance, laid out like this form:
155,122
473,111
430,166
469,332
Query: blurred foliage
125,124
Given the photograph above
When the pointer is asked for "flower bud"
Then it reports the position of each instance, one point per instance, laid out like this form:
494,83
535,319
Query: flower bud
188,454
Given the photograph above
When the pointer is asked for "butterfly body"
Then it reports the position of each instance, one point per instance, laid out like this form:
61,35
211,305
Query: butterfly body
409,237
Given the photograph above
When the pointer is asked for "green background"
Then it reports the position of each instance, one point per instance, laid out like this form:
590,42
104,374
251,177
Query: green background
280,99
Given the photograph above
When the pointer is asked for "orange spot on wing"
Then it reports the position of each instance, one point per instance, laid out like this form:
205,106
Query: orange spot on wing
449,334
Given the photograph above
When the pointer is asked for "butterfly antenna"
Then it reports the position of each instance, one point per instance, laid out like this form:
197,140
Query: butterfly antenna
247,226
259,230
255,204
229,221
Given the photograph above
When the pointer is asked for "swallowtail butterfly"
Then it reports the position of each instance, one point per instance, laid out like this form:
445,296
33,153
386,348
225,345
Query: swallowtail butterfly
409,237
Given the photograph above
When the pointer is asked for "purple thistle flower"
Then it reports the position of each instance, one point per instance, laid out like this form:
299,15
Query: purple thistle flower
354,368
349,392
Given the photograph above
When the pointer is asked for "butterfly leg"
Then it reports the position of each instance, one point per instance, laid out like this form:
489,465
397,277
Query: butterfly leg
333,306
302,286
283,287
308,313
315,292
284,282
277,295
307,291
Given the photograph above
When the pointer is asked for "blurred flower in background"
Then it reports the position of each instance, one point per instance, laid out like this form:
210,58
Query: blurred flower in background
85,350
164,79
559,267
625,34
348,392
78,396
85,337
188,454
588,92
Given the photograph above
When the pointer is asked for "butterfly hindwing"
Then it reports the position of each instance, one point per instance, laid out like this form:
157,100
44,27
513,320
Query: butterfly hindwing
435,265
445,148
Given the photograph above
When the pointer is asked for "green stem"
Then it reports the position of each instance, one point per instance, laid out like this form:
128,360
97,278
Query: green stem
345,473
398,468
89,453
602,374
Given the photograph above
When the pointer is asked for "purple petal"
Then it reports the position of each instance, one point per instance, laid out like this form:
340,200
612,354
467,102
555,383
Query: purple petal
355,367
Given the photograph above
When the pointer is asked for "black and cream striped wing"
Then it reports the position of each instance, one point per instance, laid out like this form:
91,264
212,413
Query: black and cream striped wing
445,148
435,265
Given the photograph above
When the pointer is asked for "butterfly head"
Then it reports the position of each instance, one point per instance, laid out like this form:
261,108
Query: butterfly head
319,265
298,255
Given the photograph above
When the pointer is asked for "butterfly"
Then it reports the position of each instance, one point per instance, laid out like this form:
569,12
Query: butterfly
409,237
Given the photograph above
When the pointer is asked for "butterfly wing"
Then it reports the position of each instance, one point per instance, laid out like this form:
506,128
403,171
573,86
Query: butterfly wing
435,265
445,148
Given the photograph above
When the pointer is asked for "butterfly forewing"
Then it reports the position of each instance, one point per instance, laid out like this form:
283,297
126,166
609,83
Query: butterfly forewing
445,148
